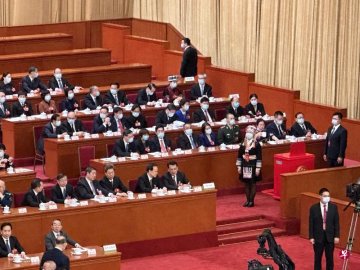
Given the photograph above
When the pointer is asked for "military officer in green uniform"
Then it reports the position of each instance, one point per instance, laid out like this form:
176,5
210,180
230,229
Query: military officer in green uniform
229,134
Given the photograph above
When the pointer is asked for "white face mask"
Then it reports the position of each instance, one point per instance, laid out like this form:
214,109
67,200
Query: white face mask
161,135
334,122
173,85
71,121
249,136
204,106
232,122
120,116
182,45
208,131
131,139
58,123
300,121
58,76
186,107
149,92
103,115
2,100
188,131
22,100
253,102
325,200
145,137
71,95
47,98
135,114
176,102
97,93
201,81
113,91
279,122
7,80
2,154
35,75
170,114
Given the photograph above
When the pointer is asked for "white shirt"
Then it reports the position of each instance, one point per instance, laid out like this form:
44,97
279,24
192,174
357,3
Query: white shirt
56,234
62,189
322,208
36,193
174,177
91,186
207,114
150,179
333,130
191,140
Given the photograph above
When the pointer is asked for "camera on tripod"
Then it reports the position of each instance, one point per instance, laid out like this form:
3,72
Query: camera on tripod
353,192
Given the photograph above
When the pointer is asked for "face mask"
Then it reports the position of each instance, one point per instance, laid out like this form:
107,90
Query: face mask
161,135
232,122
58,123
150,93
47,98
334,122
188,131
7,80
176,102
208,131
325,200
279,122
135,114
173,85
97,93
205,107
103,115
131,140
236,105
182,45
2,99
186,107
145,137
171,114
58,76
113,91
2,154
22,100
35,75
249,136
253,102
71,121
120,116
70,95
300,121
201,81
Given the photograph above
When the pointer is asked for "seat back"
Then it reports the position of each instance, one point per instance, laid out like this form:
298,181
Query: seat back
150,119
88,125
82,104
187,94
132,98
86,153
220,114
18,199
37,130
132,185
109,150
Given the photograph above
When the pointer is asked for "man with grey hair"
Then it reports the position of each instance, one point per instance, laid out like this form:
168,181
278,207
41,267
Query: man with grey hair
56,254
58,82
49,265
93,100
56,231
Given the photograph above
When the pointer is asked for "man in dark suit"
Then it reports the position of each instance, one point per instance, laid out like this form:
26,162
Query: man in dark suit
115,96
336,142
5,110
119,119
6,198
35,195
88,187
166,116
125,146
72,126
56,254
59,82
160,143
56,231
103,122
147,96
201,89
203,113
62,190
9,245
93,99
51,130
189,62
324,229
187,140
302,128
276,130
113,183
149,180
234,108
21,106
174,178
32,83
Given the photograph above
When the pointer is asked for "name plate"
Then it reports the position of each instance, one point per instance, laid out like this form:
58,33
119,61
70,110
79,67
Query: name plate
53,206
208,186
94,136
22,210
171,192
144,157
35,259
75,138
211,149
121,159
112,199
142,196
110,248
188,152
197,189
164,154
84,203
91,251
189,79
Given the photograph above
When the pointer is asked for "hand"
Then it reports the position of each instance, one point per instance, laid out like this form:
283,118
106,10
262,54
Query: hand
336,240
51,108
122,194
324,157
26,109
312,241
11,159
7,112
76,105
4,160
23,255
164,189
308,134
239,170
107,120
257,172
77,245
13,89
339,160
64,133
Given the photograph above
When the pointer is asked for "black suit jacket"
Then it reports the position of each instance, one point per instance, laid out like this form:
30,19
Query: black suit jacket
69,104
121,98
53,83
316,223
250,110
189,63
27,85
14,244
120,151
170,183
89,102
3,112
143,184
48,132
238,112
271,129
143,98
50,240
336,143
199,116
7,199
162,118
116,186
7,88
65,126
155,144
98,126
58,257
196,93
298,131
130,122
58,197
30,199
140,146
18,110
83,190
183,141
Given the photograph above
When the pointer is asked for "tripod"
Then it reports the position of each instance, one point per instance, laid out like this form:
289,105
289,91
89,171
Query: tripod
352,231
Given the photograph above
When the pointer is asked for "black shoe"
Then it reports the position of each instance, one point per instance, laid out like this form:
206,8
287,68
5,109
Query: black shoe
250,204
246,204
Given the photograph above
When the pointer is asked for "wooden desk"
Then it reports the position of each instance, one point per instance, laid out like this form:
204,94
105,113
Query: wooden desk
18,135
218,166
18,181
120,222
102,260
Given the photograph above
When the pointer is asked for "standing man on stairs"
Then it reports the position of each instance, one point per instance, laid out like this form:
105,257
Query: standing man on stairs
189,62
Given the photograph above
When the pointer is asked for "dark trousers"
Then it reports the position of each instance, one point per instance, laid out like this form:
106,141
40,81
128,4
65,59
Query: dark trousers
334,163
319,248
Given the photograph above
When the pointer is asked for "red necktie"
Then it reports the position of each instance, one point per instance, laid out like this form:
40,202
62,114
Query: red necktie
162,146
324,218
120,126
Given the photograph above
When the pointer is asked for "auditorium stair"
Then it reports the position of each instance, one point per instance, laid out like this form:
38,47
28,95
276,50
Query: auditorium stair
243,229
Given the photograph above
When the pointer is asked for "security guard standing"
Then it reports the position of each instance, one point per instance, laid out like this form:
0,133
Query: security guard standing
229,134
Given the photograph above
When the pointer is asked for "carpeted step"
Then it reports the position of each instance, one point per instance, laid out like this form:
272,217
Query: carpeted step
239,219
231,238
244,226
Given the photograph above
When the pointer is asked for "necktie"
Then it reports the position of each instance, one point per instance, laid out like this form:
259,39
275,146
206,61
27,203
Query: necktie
324,218
1,106
202,90
206,116
64,193
73,127
174,178
60,84
116,100
192,142
333,130
112,182
120,126
162,146
8,246
280,131
303,127
92,187
54,130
